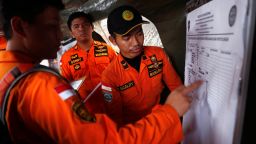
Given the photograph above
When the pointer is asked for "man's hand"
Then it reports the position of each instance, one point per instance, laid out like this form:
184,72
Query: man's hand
179,98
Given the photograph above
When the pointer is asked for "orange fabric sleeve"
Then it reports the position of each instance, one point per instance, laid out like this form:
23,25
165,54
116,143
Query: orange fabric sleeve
114,107
162,126
170,77
42,110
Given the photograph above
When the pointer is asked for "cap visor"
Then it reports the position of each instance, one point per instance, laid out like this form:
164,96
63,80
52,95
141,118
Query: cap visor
143,22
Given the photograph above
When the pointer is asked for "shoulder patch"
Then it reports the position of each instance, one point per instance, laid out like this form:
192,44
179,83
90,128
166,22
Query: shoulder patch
126,86
107,93
82,112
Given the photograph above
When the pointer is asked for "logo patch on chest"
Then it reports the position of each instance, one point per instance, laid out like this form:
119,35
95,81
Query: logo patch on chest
77,67
126,86
100,51
75,59
155,68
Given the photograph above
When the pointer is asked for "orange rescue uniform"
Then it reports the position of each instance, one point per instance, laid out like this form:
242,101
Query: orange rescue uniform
129,94
3,42
77,63
37,113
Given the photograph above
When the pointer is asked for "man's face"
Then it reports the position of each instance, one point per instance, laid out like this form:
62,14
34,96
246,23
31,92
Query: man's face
81,29
43,35
131,44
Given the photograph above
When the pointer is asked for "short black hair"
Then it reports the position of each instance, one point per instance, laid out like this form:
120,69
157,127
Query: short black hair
79,14
26,9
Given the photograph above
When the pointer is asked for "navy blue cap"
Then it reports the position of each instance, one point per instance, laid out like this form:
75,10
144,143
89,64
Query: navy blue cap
123,19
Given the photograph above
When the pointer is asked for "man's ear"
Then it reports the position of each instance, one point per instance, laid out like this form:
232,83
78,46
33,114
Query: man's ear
112,39
18,26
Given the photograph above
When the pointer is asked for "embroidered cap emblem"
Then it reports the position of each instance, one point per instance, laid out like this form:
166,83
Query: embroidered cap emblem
127,15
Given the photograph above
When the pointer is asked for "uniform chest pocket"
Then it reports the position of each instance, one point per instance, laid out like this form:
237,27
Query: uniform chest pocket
157,83
102,60
128,92
77,66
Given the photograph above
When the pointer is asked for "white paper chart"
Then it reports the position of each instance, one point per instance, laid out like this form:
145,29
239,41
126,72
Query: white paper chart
214,54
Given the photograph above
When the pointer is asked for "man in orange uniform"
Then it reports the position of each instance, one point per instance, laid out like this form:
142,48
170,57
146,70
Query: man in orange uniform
139,71
88,58
42,108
